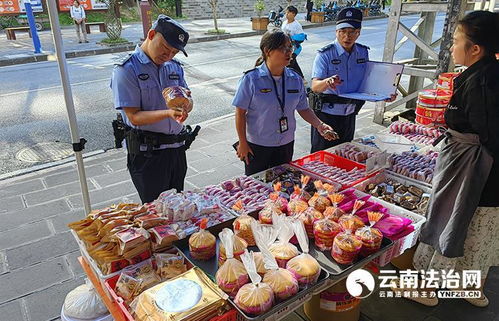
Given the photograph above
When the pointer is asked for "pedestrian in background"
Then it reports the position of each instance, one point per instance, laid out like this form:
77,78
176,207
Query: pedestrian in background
155,141
78,15
294,30
265,101
309,6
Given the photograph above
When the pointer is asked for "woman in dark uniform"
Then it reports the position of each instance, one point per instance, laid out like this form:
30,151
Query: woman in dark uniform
462,231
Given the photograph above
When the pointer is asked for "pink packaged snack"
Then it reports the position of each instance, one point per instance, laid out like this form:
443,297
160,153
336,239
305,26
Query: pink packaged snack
390,225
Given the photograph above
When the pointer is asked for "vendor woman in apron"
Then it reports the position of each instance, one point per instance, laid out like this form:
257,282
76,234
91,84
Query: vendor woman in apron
266,99
462,230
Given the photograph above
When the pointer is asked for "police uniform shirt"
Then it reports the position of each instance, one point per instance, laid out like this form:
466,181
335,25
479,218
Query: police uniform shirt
334,60
256,95
139,82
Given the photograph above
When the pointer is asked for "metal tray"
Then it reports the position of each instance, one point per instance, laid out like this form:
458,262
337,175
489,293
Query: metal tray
278,311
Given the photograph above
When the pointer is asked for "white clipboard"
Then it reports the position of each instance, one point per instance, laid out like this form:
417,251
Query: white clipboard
380,81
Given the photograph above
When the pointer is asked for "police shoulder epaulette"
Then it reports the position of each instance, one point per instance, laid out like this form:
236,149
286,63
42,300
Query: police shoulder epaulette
363,46
293,72
123,60
326,47
177,61
247,71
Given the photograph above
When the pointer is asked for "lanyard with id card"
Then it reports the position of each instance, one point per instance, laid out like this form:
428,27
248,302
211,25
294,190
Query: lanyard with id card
283,121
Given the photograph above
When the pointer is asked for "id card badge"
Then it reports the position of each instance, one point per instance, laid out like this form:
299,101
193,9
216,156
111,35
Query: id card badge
283,124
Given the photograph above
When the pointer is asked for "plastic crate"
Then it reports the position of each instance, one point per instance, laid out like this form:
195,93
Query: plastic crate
404,243
331,160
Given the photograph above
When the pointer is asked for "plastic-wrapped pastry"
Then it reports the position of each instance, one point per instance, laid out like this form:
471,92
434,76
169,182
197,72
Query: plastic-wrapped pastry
358,205
176,97
304,267
265,215
371,237
257,297
169,265
242,224
260,265
232,275
283,250
325,231
346,245
202,244
333,213
308,217
320,200
282,282
297,205
356,221
240,246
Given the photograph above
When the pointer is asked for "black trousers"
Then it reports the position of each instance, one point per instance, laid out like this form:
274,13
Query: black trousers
343,125
293,64
163,170
267,157
310,6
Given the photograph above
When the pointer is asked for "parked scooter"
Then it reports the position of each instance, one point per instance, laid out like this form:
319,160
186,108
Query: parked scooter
275,18
374,8
332,10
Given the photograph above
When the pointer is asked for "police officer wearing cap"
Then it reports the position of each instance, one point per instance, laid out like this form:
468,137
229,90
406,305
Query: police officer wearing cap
339,68
266,99
155,137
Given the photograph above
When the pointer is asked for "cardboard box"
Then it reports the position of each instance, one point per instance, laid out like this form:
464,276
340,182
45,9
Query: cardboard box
334,303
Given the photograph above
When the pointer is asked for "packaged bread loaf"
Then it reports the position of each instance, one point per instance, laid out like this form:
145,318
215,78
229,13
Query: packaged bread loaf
176,97
256,297
232,275
202,244
304,267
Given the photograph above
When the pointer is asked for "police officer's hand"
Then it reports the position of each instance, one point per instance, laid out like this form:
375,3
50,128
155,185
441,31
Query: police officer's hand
182,118
327,132
243,151
333,81
392,98
174,113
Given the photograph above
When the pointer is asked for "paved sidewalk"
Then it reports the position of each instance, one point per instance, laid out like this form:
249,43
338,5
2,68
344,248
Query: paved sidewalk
20,51
38,265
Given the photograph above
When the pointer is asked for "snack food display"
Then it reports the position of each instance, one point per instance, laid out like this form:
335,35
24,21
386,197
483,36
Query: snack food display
371,237
416,133
304,267
191,296
283,250
253,193
353,152
282,282
242,224
256,297
169,265
320,200
266,214
260,264
336,174
407,196
414,165
202,244
325,230
355,220
232,275
346,246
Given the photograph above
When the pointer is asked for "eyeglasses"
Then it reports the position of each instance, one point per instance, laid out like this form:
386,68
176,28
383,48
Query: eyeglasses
349,33
286,49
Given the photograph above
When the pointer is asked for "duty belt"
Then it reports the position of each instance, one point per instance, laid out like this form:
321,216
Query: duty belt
316,100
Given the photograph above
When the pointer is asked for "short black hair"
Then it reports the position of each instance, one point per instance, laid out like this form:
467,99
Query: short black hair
482,28
292,9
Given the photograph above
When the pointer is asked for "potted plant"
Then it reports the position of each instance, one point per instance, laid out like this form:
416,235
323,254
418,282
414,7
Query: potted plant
318,14
259,22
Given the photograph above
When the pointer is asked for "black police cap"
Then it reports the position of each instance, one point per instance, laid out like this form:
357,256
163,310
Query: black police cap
349,18
172,31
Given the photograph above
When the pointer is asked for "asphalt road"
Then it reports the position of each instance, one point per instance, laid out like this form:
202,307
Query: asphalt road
32,102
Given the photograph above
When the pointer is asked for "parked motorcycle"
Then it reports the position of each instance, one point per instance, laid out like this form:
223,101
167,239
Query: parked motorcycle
275,18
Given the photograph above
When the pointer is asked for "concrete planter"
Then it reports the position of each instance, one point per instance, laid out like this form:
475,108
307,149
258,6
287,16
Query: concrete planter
120,44
317,17
259,23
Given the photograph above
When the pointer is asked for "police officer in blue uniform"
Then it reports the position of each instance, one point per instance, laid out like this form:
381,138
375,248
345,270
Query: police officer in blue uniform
155,138
339,68
265,101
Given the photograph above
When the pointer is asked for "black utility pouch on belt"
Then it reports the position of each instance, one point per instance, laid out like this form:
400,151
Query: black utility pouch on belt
316,100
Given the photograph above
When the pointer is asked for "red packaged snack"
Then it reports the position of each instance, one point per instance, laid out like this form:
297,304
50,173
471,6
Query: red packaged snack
346,246
356,221
308,217
371,237
320,200
325,231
